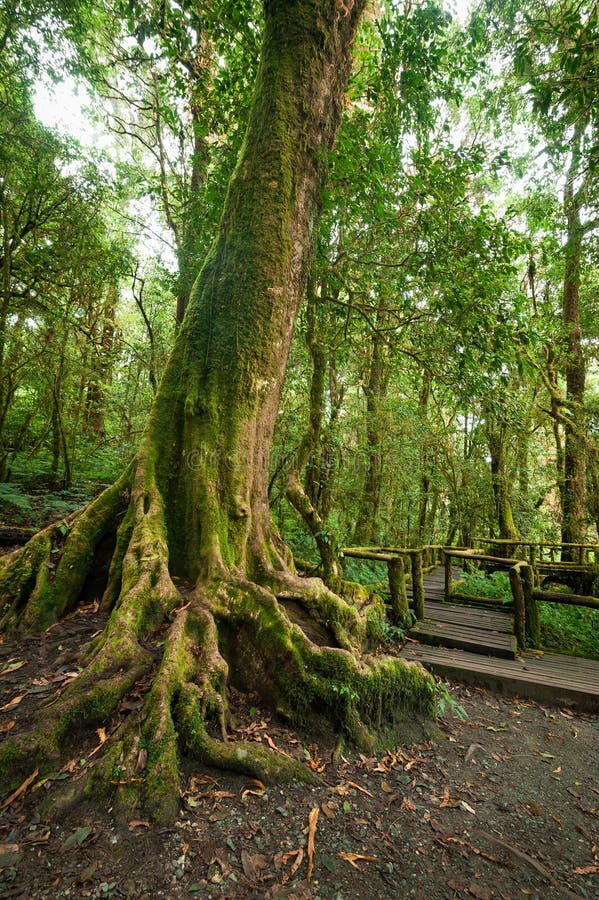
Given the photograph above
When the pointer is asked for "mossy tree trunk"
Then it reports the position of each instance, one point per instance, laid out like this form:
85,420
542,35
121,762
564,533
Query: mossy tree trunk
195,549
496,438
375,389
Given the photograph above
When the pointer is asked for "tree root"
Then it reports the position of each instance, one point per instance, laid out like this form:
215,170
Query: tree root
226,630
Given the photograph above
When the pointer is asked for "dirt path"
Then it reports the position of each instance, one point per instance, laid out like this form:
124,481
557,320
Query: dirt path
504,803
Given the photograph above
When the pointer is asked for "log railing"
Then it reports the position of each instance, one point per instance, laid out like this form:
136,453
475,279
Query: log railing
584,554
401,562
525,595
413,562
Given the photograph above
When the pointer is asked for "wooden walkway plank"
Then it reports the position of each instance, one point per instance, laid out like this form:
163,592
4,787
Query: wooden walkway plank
477,646
537,678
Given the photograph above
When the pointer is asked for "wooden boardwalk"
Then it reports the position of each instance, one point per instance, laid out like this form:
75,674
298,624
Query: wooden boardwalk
477,646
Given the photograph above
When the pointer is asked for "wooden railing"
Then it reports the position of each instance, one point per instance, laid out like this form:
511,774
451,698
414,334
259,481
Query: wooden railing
523,577
524,574
543,551
398,559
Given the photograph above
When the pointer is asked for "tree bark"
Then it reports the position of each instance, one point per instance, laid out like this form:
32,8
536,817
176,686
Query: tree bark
196,555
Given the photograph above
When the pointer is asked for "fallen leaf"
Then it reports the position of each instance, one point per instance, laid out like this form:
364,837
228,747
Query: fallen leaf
479,891
328,810
255,788
8,848
7,726
138,823
472,750
20,790
274,747
299,855
77,838
12,703
408,804
467,807
586,870
353,858
13,666
545,755
312,823
253,865
386,787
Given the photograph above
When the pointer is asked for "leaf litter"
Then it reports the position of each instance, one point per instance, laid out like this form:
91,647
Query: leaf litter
407,821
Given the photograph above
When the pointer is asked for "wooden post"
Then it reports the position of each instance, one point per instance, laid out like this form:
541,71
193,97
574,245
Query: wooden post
447,575
400,609
531,610
417,584
519,605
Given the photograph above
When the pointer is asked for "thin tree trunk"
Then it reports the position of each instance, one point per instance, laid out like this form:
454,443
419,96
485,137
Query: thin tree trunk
574,494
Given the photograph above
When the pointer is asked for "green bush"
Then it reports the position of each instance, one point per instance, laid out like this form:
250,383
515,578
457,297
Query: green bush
478,584
570,629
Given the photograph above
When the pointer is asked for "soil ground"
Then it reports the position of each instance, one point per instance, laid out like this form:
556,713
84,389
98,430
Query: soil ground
503,803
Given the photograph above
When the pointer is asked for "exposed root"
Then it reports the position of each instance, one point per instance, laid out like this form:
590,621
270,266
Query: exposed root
42,581
227,630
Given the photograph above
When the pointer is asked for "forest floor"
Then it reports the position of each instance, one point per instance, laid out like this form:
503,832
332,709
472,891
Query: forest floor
503,803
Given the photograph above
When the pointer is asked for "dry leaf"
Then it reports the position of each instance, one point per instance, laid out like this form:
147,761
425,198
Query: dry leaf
138,823
358,788
586,870
299,855
7,726
328,810
408,804
386,787
12,703
472,750
341,789
353,858
8,848
274,747
255,788
312,823
20,790
467,807
253,865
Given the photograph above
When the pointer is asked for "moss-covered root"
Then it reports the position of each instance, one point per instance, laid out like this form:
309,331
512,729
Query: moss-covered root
353,618
42,580
363,697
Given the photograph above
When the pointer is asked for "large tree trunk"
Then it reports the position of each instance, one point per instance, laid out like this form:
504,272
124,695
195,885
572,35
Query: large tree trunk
196,550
